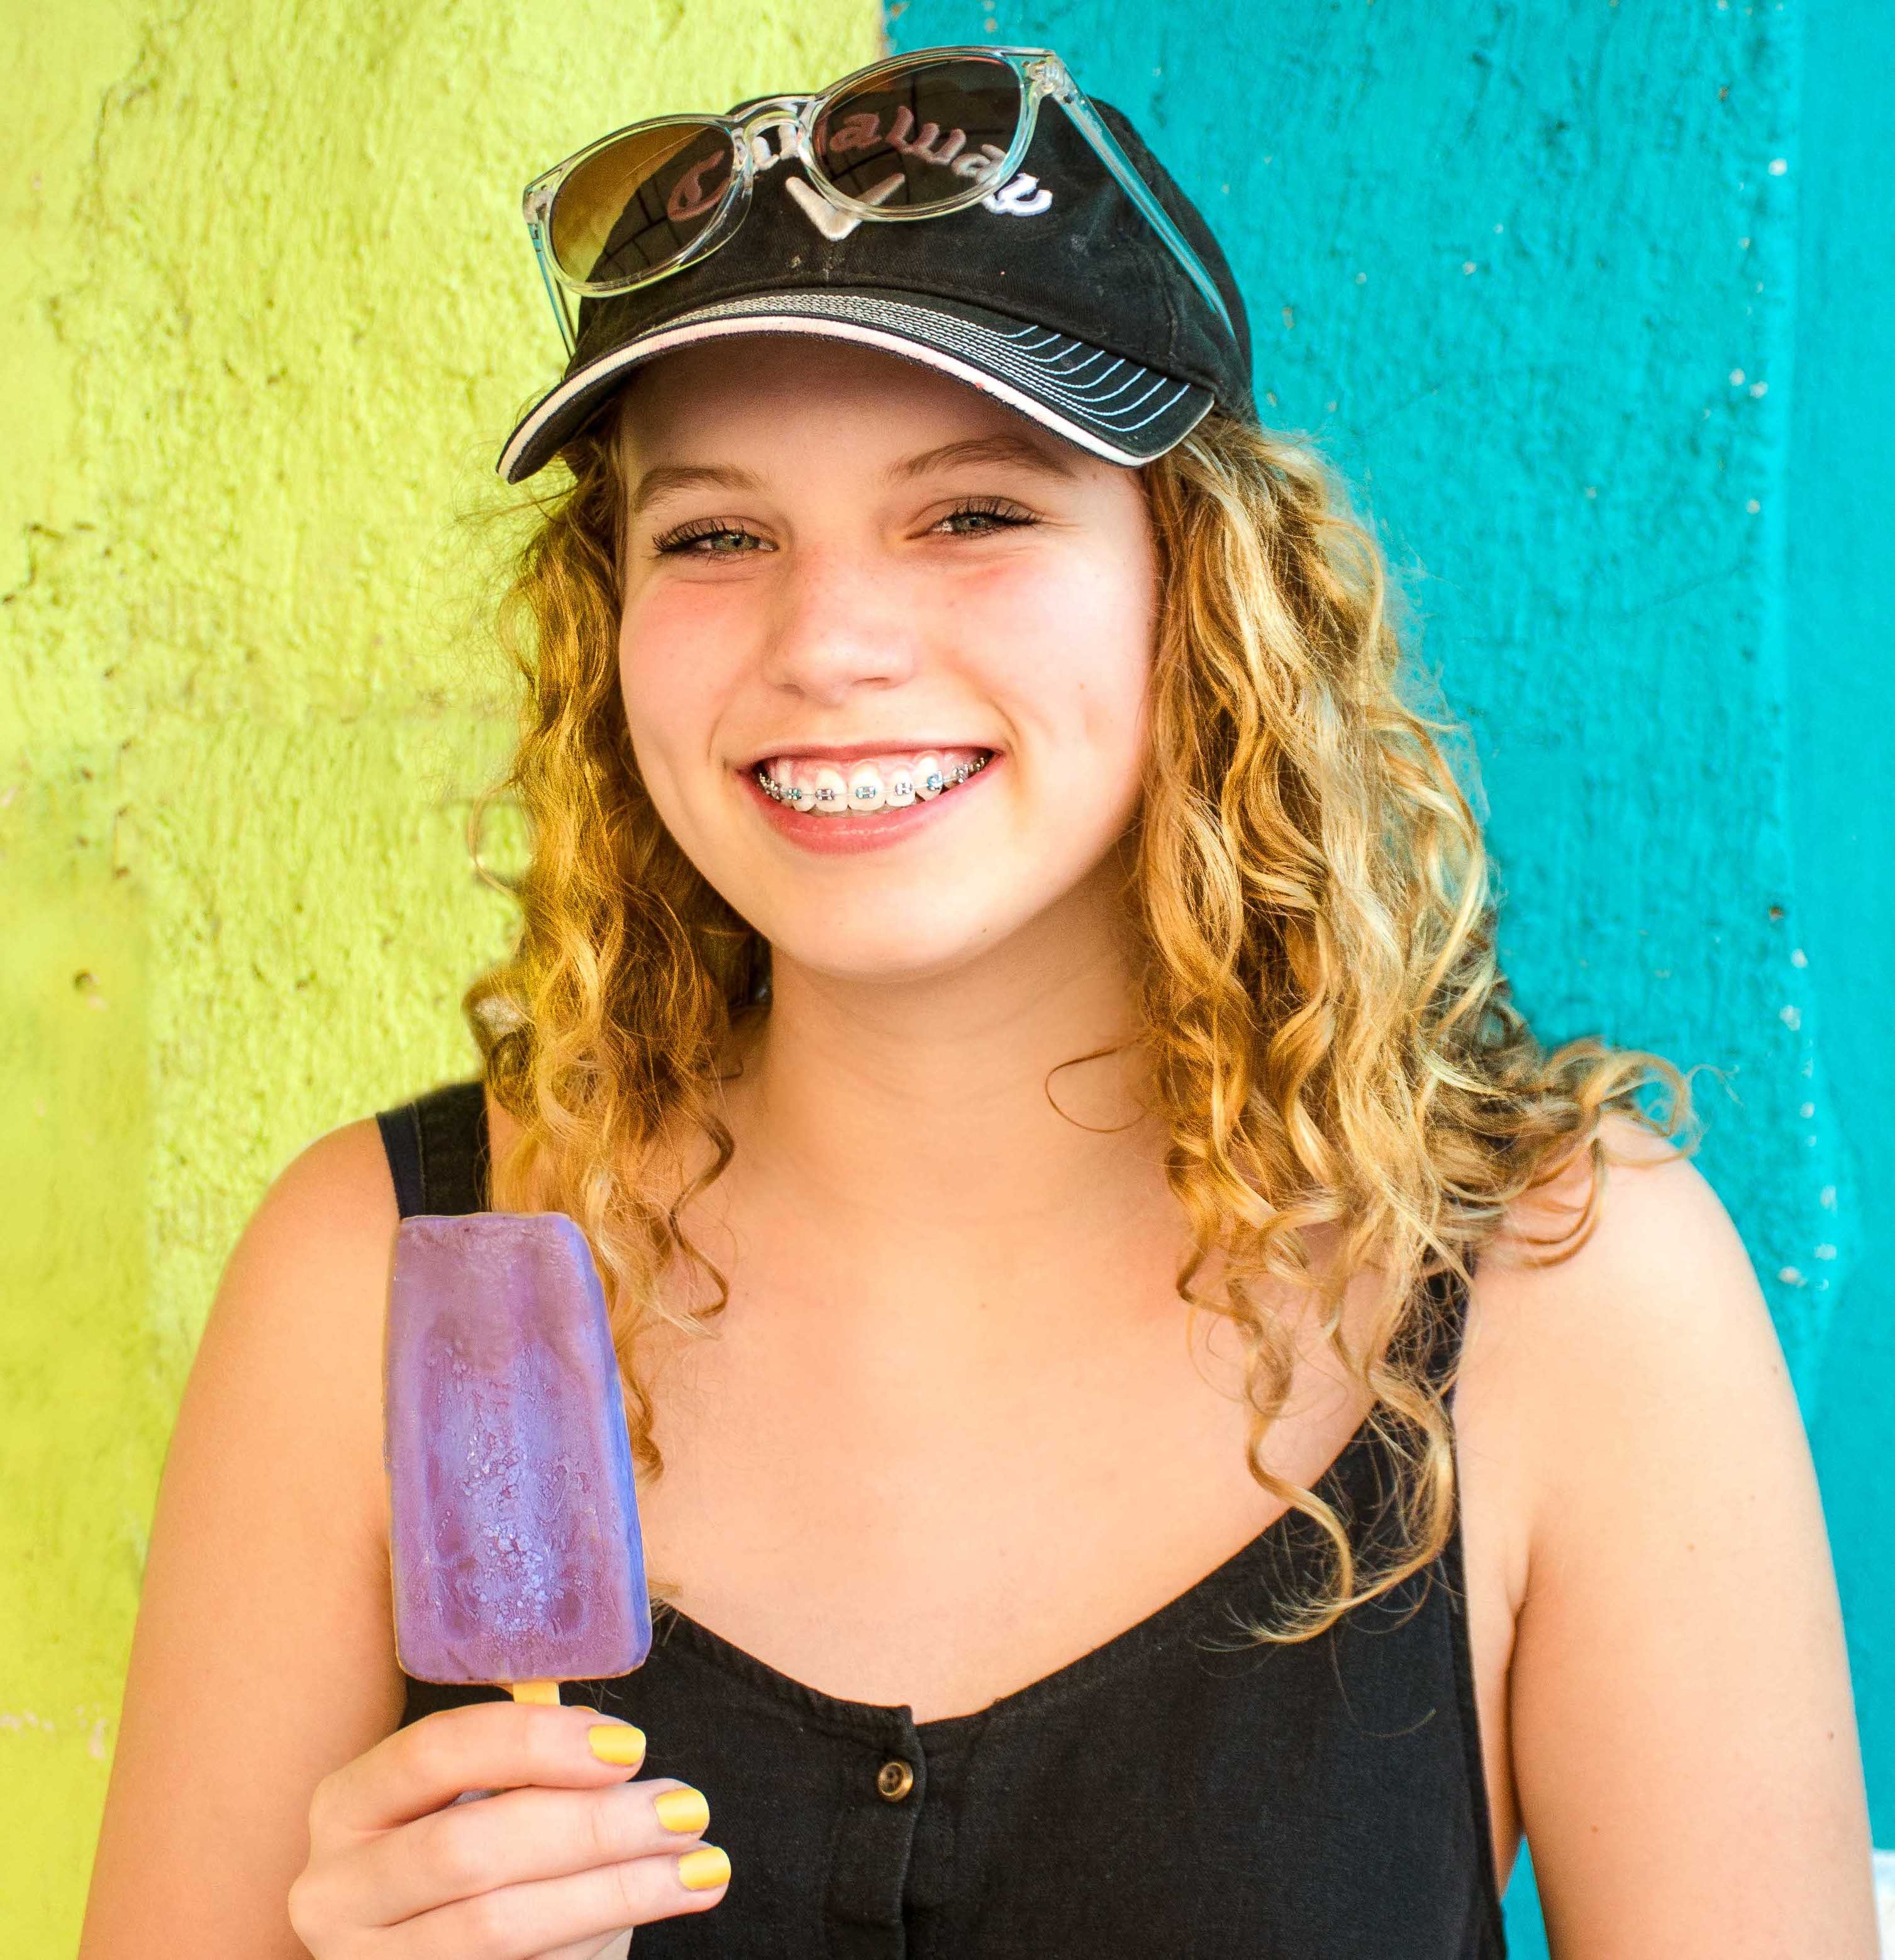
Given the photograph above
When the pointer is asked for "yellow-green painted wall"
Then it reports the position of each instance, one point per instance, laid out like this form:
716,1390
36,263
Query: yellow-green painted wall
266,310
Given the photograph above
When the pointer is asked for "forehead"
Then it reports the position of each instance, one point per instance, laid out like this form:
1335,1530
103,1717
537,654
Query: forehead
791,395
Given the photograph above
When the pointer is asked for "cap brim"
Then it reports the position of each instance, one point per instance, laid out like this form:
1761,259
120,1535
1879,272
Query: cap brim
1112,406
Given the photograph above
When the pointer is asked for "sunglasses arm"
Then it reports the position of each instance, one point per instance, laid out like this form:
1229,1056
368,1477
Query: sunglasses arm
553,293
1092,127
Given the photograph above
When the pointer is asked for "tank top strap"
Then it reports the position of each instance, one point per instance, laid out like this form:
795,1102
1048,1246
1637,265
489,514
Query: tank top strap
437,1150
1431,1341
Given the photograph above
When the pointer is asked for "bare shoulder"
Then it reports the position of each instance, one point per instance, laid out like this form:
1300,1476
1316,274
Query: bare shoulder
263,1655
297,1324
1617,1373
330,1213
1682,1736
1654,1312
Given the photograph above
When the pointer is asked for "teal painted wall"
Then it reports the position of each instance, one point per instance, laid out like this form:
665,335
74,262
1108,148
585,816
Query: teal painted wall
1589,300
1839,604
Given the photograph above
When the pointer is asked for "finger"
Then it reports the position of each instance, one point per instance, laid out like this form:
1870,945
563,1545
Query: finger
524,1922
518,1837
487,1745
616,1946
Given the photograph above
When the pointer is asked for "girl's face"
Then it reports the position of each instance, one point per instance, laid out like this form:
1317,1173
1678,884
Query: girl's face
846,575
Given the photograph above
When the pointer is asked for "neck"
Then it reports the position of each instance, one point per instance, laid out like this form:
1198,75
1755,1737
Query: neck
928,1112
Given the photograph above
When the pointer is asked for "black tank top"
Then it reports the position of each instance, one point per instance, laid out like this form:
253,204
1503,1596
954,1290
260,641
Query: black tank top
1174,1792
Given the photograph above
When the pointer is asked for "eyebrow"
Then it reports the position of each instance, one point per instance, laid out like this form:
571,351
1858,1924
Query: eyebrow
669,478
1004,447
666,480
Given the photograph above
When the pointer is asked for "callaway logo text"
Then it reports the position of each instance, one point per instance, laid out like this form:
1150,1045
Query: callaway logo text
1022,197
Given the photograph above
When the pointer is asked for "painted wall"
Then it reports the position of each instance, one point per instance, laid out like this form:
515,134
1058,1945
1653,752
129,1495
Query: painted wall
1591,300
1606,376
266,309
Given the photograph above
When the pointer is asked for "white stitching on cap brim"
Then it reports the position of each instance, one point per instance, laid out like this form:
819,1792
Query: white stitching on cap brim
1063,373
813,325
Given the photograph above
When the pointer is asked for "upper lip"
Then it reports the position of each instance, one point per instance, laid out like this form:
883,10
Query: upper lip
854,752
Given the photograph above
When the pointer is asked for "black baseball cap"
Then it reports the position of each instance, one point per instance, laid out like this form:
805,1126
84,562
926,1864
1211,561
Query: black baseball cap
1055,295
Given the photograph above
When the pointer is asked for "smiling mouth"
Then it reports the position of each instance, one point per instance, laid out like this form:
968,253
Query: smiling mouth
815,788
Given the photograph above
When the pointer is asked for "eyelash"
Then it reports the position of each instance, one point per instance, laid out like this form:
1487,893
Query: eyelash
678,543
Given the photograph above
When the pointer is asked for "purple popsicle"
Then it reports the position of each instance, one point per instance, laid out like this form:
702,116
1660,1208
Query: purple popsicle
514,1548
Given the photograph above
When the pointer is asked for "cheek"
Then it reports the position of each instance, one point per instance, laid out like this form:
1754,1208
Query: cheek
670,683
1070,656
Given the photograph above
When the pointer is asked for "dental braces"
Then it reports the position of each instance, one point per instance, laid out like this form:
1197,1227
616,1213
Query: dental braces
935,781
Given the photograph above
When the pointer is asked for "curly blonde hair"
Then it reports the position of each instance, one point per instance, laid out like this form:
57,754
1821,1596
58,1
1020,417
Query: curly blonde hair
1330,1040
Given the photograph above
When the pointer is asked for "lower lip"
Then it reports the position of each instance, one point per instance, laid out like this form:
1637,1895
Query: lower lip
843,836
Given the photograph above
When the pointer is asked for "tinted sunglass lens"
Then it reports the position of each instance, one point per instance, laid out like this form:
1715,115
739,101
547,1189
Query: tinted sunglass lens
922,135
640,203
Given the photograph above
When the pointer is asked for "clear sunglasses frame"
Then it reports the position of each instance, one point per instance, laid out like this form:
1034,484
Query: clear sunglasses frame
1040,75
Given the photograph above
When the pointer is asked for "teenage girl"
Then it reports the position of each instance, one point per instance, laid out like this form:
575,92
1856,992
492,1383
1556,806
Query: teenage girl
1169,1423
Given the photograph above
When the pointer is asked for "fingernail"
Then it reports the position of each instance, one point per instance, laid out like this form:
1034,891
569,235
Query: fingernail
618,1742
699,1870
681,1809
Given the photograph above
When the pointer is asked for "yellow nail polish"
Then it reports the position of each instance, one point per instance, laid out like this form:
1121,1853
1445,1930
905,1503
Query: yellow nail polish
681,1809
699,1870
618,1742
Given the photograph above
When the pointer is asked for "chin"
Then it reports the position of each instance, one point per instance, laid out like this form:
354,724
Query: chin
886,951
897,938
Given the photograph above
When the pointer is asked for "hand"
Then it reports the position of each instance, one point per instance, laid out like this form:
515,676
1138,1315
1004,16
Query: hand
566,1855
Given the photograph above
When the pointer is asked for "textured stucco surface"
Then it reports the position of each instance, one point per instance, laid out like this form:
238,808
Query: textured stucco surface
1838,605
1544,280
268,311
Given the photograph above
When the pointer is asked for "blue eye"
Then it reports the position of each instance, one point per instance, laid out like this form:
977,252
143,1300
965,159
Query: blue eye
992,513
717,539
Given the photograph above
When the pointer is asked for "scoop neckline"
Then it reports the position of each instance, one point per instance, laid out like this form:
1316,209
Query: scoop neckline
1118,1650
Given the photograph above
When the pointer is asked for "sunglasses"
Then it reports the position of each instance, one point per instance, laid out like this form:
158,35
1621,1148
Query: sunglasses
918,136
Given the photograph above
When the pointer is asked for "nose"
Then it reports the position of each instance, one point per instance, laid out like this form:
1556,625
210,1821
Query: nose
838,628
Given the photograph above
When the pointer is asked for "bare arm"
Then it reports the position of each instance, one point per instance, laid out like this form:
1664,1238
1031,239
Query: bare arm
1684,1736
264,1656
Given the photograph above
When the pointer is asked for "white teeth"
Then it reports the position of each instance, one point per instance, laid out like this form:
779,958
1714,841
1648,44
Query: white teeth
865,793
861,788
781,770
